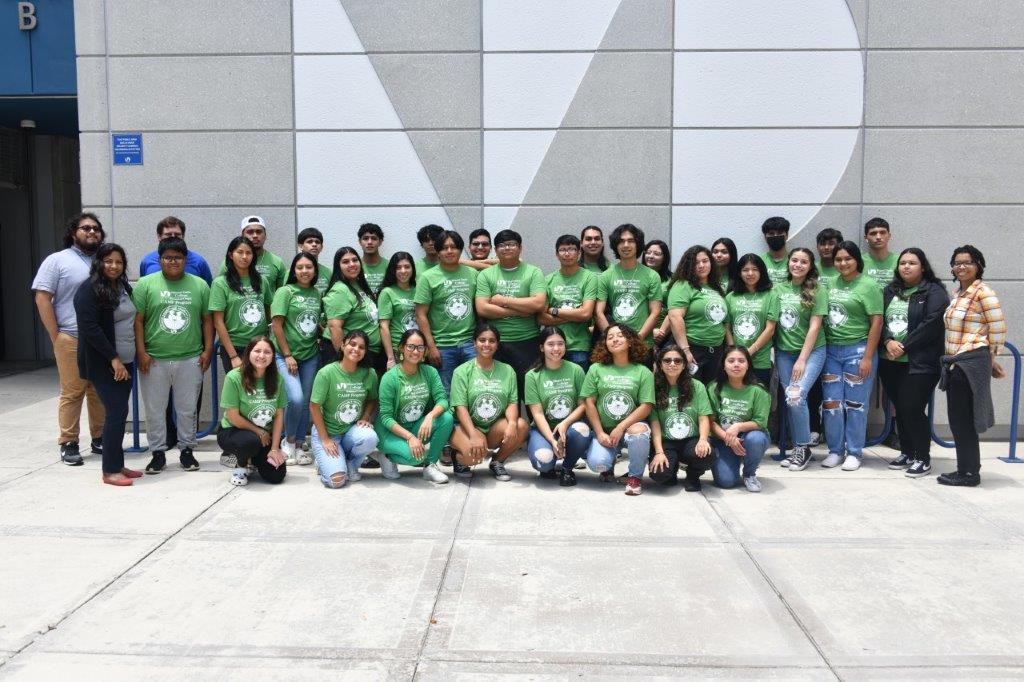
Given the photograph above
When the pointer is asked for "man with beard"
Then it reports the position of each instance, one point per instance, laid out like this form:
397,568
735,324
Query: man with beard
54,289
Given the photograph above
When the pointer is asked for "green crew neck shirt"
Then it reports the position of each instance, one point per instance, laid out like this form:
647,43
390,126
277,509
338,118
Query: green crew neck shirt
738,405
173,314
449,296
556,391
245,314
850,307
679,424
827,274
300,309
572,292
342,396
423,265
358,313
618,391
395,305
881,271
628,294
522,281
706,310
749,314
795,317
323,279
778,270
592,266
375,274
257,407
486,394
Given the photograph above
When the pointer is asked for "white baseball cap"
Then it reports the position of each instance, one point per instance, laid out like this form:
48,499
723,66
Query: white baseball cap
253,220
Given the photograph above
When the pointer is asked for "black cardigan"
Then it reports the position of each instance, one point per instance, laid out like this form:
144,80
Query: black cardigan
96,344
925,341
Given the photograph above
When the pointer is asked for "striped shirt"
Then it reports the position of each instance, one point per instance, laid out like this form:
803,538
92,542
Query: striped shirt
974,319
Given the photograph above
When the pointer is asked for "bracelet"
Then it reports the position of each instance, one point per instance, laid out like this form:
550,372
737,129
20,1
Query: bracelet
232,357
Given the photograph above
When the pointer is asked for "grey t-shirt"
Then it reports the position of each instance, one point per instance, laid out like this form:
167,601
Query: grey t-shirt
124,329
60,274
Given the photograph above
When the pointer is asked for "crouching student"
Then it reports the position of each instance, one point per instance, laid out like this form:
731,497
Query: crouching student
741,407
414,423
343,401
680,422
254,400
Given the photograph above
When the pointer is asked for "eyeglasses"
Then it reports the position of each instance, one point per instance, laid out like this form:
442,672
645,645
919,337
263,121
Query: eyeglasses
507,246
172,259
963,264
411,347
671,361
90,228
567,251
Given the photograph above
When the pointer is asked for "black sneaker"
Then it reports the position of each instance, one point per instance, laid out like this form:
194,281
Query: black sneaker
567,479
957,478
691,484
548,475
96,446
370,463
157,463
917,469
188,462
499,471
800,458
461,470
70,455
901,462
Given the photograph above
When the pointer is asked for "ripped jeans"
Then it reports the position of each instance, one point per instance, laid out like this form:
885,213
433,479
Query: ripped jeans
577,441
844,398
601,459
798,412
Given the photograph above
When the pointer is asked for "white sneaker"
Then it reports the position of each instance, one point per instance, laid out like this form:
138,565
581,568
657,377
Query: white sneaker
815,438
239,477
851,463
786,462
388,469
303,458
288,450
753,485
353,473
432,473
833,460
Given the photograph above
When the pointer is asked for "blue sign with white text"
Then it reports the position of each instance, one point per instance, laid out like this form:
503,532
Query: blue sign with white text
127,149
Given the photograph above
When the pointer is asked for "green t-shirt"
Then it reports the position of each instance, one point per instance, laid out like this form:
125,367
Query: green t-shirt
395,305
342,396
827,274
747,404
245,314
882,271
778,270
896,322
271,268
795,317
557,391
356,313
300,309
422,265
520,282
485,394
450,296
255,406
592,266
628,293
706,310
404,399
618,391
173,312
572,292
850,307
375,273
748,315
680,425
323,279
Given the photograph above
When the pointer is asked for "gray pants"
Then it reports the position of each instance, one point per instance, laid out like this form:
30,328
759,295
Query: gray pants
186,378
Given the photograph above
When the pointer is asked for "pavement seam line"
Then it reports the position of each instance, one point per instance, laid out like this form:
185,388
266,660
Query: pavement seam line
117,577
778,593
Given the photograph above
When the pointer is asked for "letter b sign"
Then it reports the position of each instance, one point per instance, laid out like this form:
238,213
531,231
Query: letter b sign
27,16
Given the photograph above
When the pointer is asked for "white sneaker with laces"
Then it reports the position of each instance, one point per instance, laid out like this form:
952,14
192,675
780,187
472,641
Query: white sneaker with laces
288,450
851,463
833,460
303,458
432,473
753,485
388,469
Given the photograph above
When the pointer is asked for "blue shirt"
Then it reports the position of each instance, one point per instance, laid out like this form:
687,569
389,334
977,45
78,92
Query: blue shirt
194,265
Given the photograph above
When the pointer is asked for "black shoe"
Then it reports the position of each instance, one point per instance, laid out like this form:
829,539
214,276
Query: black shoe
957,478
917,469
157,463
70,455
901,462
188,462
370,463
548,475
691,485
800,458
96,446
568,478
461,470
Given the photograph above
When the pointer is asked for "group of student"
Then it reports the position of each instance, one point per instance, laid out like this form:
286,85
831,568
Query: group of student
422,361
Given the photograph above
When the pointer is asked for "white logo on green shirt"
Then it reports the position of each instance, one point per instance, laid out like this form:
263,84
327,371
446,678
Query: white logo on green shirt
348,411
618,404
837,314
747,325
409,321
788,318
413,411
306,323
262,416
457,306
251,313
559,407
626,306
716,311
897,323
679,426
175,319
485,407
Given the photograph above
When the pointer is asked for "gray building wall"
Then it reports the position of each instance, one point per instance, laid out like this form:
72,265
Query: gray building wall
330,113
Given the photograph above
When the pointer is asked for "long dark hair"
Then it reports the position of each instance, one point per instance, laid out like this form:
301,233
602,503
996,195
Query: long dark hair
545,334
602,260
249,372
853,250
357,334
234,280
338,276
927,273
809,289
391,274
722,379
684,385
738,286
292,279
731,269
108,293
686,271
665,269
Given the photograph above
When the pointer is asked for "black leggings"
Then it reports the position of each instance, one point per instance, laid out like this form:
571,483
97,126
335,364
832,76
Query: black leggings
910,394
960,409
114,395
681,451
245,446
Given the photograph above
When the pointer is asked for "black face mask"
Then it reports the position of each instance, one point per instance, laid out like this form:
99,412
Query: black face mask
775,243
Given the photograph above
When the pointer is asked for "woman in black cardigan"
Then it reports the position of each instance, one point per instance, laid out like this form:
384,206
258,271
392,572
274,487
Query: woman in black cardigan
106,351
912,342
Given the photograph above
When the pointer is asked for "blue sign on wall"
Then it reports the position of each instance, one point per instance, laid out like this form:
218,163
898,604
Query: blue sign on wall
127,149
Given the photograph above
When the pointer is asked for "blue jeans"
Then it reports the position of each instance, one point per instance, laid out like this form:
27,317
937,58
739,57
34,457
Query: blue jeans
846,422
452,357
299,388
726,467
353,445
580,357
601,459
799,416
542,457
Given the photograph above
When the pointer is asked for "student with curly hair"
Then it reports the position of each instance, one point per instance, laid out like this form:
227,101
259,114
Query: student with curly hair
680,422
697,311
619,393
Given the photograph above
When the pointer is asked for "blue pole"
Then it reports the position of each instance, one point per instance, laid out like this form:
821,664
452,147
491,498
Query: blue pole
783,416
136,446
214,398
1015,407
886,427
931,425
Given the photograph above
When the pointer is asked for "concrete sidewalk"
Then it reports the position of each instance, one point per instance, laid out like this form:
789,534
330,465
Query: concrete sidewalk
824,575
